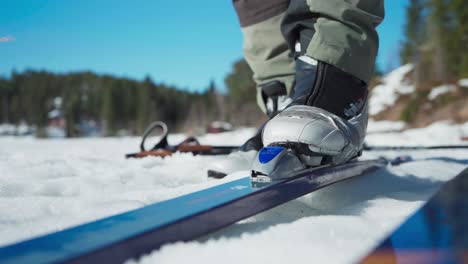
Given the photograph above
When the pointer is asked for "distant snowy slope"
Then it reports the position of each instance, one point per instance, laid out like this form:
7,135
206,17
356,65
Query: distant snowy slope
384,126
440,90
396,97
385,95
438,133
463,83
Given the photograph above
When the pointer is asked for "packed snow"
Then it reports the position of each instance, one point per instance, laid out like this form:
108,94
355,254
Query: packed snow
49,185
440,90
387,93
385,126
443,132
463,83
9,129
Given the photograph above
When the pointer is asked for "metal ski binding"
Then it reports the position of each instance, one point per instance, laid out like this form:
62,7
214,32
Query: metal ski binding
274,163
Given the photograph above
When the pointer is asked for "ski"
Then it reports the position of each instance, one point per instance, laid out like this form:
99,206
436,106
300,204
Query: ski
129,235
436,233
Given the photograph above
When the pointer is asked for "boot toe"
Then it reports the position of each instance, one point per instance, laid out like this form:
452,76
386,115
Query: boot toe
308,125
323,137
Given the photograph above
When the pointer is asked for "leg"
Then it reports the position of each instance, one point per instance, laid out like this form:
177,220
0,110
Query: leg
338,32
266,51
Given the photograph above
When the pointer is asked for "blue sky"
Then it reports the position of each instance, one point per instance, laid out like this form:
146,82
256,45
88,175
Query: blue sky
181,43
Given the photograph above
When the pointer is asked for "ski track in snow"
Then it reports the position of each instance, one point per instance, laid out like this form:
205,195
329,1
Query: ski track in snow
49,185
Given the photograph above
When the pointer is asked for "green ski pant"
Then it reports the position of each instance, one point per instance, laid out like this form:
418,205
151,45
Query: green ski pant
338,32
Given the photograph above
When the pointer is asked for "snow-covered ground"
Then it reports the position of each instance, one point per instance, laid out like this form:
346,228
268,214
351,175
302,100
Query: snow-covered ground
49,185
393,85
440,90
463,83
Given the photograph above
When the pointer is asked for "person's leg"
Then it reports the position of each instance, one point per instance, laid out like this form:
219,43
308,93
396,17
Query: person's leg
268,55
338,32
266,50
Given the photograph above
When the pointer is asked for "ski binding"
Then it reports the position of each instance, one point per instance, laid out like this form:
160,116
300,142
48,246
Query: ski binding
273,164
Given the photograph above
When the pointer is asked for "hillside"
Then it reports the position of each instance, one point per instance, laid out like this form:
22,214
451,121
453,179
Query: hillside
397,98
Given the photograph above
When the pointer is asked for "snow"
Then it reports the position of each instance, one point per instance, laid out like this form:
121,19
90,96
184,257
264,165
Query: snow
440,90
386,94
463,83
384,126
54,114
10,129
7,129
23,129
55,132
49,185
443,132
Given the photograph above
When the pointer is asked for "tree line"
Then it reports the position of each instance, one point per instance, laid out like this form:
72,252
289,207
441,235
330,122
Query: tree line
436,40
121,103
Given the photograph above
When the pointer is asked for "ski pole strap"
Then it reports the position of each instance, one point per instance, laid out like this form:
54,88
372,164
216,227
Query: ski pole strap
163,149
155,153
162,144
272,90
186,148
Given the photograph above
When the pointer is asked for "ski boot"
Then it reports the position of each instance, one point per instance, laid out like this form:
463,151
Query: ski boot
324,125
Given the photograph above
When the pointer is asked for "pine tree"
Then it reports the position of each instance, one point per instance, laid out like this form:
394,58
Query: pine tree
143,106
460,15
107,115
71,109
240,83
5,95
441,28
414,31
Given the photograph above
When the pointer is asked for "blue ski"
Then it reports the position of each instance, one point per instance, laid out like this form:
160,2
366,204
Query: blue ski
436,233
129,235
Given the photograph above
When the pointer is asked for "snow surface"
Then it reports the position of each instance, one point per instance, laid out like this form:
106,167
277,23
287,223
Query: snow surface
10,129
463,83
393,85
440,90
49,185
443,132
384,126
7,129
